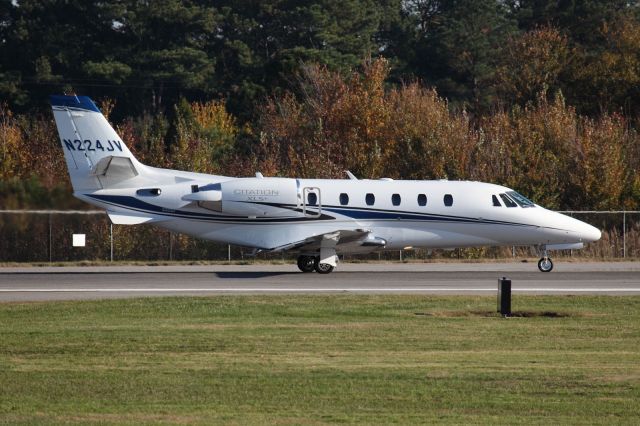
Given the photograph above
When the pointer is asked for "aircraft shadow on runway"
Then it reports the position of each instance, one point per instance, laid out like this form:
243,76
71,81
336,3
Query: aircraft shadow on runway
244,275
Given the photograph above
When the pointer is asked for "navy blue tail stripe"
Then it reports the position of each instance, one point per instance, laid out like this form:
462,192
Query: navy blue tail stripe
74,102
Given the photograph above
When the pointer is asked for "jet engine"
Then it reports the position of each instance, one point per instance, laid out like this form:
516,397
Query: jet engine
249,197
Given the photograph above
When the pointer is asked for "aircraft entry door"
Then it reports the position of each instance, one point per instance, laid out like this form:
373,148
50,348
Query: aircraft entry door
311,202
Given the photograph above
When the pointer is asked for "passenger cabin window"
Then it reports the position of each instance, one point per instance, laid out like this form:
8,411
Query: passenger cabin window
344,199
312,199
395,199
422,200
370,199
496,202
508,201
448,200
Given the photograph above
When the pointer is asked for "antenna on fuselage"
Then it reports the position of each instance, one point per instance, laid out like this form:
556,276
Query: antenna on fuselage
351,175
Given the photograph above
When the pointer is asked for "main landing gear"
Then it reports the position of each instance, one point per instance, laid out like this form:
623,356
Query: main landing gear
312,263
545,264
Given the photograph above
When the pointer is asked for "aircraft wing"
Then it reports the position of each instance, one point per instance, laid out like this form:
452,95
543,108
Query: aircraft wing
344,241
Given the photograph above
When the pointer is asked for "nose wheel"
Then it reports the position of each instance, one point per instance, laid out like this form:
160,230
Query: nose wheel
545,264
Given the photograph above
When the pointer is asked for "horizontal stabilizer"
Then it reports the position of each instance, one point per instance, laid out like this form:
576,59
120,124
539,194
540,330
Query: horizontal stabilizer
127,219
114,167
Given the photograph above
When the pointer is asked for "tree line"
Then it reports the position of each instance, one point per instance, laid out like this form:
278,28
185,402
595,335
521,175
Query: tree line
538,95
479,54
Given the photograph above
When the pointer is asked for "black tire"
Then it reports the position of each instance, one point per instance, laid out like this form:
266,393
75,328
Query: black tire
306,263
322,268
545,265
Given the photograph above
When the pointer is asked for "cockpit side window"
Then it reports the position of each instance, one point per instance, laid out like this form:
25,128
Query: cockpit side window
520,199
508,201
496,202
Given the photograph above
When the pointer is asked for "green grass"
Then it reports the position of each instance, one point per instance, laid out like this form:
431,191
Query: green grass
320,360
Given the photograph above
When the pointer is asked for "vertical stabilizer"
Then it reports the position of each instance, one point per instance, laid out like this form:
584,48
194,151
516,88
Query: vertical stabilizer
89,143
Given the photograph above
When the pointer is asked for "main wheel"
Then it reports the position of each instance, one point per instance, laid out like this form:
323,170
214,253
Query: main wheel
306,263
322,268
545,264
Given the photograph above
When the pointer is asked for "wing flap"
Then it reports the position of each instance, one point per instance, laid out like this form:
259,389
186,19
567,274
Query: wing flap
346,240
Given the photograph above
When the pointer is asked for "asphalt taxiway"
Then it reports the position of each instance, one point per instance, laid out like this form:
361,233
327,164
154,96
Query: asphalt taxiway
67,283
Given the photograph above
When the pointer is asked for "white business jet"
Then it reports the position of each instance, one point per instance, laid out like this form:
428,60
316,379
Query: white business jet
315,218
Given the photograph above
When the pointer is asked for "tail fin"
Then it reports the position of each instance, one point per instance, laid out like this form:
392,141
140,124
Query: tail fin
96,156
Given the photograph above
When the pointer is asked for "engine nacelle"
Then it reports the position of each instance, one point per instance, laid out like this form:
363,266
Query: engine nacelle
254,197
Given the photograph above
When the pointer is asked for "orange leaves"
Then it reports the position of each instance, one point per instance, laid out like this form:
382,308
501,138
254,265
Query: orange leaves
353,123
12,159
29,146
531,64
336,122
545,150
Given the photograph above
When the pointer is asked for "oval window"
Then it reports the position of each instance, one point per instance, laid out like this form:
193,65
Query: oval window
448,200
422,200
344,199
370,199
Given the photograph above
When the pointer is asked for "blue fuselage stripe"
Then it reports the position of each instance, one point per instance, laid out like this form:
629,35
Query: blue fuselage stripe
137,205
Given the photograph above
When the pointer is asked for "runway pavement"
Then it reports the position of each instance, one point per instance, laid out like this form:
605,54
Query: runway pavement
66,283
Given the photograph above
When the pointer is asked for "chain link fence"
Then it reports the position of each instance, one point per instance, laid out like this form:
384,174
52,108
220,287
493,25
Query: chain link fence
46,236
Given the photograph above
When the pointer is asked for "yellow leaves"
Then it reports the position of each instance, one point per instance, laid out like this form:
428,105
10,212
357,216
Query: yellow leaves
214,115
106,106
599,169
12,158
205,133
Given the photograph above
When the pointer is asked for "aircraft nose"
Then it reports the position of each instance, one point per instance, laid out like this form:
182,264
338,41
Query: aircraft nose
592,234
588,233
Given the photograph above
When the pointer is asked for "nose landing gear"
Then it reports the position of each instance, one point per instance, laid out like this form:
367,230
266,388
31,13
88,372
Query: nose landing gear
545,264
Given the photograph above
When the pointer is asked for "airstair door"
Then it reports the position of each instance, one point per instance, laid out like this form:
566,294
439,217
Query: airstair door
311,202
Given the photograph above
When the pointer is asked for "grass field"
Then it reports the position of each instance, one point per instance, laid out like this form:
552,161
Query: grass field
320,360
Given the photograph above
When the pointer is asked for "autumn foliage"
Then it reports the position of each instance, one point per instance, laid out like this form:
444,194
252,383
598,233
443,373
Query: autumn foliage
336,122
543,149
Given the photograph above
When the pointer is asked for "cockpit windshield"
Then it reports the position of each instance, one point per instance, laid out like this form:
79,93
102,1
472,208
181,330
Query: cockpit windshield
521,199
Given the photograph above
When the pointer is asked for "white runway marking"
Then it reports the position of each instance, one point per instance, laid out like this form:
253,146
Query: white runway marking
315,290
